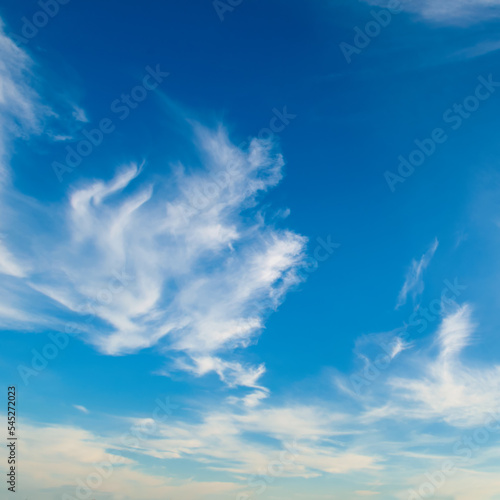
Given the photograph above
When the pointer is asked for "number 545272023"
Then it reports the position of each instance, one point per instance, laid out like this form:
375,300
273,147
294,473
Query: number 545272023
11,411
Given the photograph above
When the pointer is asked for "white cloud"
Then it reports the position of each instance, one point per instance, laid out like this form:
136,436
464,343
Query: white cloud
449,389
450,11
462,484
471,485
250,400
444,387
79,114
221,441
472,52
134,263
399,346
19,107
390,343
81,408
296,441
152,266
9,264
414,283
64,460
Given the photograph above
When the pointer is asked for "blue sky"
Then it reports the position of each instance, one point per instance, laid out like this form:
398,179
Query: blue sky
249,249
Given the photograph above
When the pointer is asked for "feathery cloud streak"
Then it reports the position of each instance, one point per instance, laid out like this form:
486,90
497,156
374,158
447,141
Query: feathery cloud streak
450,11
188,260
414,283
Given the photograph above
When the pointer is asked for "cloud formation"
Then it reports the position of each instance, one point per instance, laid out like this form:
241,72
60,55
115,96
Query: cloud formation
68,462
221,440
414,283
187,260
297,441
448,388
437,384
449,11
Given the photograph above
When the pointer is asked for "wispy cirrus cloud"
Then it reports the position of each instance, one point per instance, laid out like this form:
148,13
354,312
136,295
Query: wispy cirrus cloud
448,388
477,50
81,408
221,439
188,262
438,384
414,283
200,281
19,104
450,11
